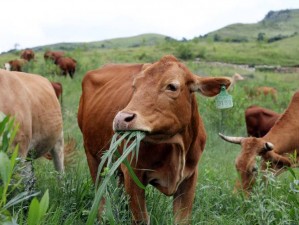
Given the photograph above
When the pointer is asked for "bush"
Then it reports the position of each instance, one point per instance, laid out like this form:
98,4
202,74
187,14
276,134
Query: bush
184,51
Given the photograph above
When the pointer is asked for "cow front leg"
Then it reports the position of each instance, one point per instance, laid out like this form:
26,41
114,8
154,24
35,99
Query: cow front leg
183,200
137,199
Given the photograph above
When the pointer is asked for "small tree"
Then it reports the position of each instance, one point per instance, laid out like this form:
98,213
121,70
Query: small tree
261,37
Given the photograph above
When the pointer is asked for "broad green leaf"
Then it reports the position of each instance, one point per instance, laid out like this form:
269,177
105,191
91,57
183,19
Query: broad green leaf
33,215
4,168
44,204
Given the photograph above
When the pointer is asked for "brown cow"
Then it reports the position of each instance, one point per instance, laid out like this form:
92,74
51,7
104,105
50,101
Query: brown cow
67,65
262,92
27,54
38,112
259,120
158,99
15,65
58,90
275,146
53,55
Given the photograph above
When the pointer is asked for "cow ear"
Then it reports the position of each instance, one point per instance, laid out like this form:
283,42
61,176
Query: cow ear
145,66
209,86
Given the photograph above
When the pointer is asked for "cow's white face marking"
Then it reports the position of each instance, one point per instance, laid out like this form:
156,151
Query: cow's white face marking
7,66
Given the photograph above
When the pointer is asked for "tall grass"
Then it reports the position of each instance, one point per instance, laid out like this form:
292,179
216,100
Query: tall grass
215,202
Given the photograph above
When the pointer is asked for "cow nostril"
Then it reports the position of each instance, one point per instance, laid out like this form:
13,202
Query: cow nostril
129,118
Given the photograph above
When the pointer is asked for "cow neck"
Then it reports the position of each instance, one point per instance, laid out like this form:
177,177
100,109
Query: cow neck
284,130
178,140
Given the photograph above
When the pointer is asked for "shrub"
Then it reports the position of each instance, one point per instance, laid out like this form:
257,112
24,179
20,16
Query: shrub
184,51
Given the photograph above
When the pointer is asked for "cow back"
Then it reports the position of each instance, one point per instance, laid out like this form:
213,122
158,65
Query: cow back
35,107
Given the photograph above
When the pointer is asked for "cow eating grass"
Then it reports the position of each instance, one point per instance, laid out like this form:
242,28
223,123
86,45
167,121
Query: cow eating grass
275,147
159,100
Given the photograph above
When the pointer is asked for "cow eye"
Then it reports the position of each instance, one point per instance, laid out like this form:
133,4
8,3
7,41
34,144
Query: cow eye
172,87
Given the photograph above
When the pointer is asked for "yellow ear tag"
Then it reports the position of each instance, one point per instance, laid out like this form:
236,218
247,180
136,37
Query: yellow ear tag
223,99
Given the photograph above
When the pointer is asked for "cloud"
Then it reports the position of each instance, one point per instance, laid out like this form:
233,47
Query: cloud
33,23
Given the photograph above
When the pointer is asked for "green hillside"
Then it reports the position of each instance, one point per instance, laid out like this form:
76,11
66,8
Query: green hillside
272,41
281,23
126,42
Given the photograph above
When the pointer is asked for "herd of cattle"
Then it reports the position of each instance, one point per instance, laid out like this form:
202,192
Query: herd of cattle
158,99
66,64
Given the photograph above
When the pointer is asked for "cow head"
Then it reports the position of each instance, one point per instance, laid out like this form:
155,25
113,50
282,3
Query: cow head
161,104
246,161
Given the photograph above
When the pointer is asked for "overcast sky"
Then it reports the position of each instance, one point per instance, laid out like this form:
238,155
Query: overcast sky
31,23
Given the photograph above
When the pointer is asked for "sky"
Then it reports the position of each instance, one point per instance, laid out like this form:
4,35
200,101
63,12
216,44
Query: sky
32,23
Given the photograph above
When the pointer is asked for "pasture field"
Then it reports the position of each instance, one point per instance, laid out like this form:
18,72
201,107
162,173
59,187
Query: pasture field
273,202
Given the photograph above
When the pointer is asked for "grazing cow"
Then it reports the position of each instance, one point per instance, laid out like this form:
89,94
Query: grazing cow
259,120
58,90
53,55
15,65
262,91
235,78
67,65
158,99
275,147
267,91
31,100
27,54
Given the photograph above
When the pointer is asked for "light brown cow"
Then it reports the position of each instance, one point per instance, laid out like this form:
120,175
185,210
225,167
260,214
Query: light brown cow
15,65
259,120
262,92
53,55
158,99
275,147
27,54
234,79
32,101
67,65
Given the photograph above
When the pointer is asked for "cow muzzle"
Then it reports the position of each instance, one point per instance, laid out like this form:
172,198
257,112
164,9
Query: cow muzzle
124,121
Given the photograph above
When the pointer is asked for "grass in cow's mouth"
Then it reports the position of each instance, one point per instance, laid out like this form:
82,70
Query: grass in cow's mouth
131,142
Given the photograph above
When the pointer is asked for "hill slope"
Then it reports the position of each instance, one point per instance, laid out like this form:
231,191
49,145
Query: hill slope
135,41
276,23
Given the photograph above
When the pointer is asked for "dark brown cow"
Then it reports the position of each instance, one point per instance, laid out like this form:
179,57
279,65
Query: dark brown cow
27,54
15,65
280,143
259,120
53,55
31,99
67,65
158,99
58,90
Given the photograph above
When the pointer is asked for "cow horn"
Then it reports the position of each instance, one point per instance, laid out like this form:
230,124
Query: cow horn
235,140
268,146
